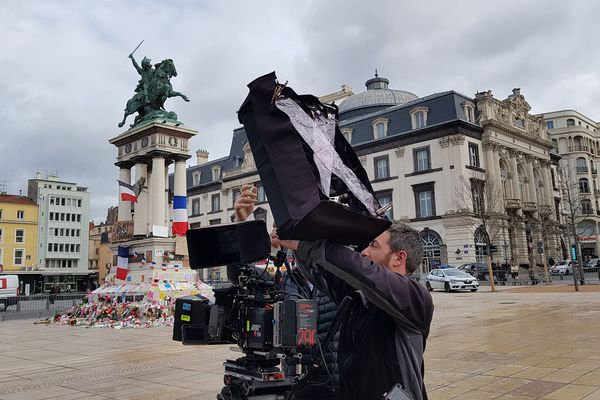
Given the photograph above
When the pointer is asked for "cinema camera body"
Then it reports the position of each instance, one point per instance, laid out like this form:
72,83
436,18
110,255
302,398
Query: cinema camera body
269,329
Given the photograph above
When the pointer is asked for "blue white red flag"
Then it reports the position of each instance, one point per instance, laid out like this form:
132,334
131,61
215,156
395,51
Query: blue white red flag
126,192
122,262
180,221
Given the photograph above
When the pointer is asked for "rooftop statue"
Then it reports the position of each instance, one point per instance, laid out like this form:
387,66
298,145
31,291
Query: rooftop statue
153,89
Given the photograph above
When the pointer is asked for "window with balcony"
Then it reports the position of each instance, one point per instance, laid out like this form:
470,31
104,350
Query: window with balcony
381,167
422,159
581,165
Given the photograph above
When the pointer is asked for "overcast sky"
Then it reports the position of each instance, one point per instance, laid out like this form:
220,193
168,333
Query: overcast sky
65,76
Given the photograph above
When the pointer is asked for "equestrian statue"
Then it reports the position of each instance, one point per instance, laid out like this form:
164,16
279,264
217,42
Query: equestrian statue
153,89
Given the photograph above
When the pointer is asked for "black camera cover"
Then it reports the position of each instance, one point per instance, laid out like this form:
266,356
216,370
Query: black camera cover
235,243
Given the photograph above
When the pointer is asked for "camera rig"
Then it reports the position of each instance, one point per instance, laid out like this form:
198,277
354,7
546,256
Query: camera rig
269,329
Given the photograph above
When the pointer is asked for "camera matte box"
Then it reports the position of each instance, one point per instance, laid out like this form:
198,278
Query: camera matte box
235,243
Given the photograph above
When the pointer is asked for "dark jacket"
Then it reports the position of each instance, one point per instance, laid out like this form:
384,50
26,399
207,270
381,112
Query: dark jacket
383,338
324,383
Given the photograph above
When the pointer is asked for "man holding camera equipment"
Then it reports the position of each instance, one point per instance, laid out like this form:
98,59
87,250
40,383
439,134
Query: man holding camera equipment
383,335
324,383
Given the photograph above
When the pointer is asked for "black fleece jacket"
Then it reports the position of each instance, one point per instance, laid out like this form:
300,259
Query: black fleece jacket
383,338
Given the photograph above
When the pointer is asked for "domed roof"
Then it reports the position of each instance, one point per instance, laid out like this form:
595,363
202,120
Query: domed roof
377,94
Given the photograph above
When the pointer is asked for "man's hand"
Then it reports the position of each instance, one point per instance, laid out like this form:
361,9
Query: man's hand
286,244
244,205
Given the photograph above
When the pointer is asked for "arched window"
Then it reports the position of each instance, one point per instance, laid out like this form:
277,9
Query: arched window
586,207
584,186
570,122
578,144
481,242
504,178
581,165
431,249
196,178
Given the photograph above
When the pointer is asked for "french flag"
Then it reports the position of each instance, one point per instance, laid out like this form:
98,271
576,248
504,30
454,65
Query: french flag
180,221
122,262
126,192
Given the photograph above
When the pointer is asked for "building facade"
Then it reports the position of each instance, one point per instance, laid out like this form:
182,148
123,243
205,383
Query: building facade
18,234
63,232
430,157
575,137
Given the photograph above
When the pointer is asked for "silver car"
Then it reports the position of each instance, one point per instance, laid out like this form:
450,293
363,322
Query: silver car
451,279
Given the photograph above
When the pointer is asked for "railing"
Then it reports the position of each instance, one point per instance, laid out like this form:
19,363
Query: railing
582,170
578,147
38,304
529,206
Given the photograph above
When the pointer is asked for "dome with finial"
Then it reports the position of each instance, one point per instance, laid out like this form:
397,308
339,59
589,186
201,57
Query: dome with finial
377,96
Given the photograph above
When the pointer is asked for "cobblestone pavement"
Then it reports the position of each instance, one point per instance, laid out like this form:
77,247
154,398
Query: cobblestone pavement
518,343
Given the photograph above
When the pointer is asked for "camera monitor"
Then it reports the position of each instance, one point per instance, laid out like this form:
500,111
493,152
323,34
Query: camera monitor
241,242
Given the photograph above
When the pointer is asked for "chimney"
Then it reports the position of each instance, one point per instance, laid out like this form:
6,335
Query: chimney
201,157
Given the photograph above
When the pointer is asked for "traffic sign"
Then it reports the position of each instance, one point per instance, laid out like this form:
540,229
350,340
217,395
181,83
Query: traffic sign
540,250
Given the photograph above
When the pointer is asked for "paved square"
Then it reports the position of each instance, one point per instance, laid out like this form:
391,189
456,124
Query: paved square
515,344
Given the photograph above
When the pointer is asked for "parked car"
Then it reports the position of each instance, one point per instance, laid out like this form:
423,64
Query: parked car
592,264
450,279
565,267
9,290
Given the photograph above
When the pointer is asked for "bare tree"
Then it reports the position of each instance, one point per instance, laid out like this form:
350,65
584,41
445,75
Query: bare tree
575,206
481,206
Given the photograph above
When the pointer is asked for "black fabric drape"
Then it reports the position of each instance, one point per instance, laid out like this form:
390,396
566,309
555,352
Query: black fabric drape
290,177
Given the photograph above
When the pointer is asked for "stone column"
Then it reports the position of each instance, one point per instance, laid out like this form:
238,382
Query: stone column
167,217
140,222
149,218
158,191
490,163
532,183
547,181
514,183
124,206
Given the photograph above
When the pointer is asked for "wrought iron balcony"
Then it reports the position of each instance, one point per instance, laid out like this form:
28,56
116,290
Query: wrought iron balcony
582,170
578,147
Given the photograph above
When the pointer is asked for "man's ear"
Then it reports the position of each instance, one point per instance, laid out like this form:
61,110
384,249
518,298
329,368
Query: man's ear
400,258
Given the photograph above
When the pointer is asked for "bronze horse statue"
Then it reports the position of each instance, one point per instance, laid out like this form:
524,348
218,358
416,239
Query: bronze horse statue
154,89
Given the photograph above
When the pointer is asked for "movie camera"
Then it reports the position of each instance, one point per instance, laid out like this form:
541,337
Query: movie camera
269,329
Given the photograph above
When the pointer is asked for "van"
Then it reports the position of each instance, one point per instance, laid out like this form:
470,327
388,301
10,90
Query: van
9,290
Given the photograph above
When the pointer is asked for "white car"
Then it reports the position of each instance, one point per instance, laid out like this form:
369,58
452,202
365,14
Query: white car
450,279
565,267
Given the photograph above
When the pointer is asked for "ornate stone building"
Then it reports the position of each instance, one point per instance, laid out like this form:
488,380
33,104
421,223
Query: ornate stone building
429,156
575,137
